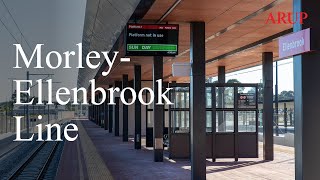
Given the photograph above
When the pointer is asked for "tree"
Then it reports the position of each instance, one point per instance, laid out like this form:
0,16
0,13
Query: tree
260,92
5,106
226,93
286,95
69,106
233,81
23,97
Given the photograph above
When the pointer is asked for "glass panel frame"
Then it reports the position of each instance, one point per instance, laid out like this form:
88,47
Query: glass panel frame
228,123
225,97
180,110
247,121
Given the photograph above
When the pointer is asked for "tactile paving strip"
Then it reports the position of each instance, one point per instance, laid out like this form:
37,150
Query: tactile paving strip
96,167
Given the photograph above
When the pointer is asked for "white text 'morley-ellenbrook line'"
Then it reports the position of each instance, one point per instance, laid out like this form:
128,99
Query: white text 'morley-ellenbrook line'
55,59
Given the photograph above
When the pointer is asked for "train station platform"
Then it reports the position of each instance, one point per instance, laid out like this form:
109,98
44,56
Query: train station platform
115,159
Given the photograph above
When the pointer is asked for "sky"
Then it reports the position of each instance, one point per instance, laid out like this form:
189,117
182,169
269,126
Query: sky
254,75
57,24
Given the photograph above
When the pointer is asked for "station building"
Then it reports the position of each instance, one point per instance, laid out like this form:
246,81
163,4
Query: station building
206,120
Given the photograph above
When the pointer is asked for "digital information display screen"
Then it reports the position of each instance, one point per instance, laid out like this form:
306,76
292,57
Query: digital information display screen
152,40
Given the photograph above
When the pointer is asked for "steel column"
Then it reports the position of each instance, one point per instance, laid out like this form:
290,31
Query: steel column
98,111
125,84
306,99
95,112
102,113
221,74
276,99
221,117
197,101
110,114
158,111
116,110
106,117
267,68
137,108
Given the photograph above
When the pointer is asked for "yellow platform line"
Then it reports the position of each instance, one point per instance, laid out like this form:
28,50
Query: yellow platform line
96,167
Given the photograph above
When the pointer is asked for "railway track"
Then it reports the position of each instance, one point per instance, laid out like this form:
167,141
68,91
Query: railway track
10,150
37,164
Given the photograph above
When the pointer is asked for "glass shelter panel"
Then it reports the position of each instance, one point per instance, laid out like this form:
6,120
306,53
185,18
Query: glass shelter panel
224,121
247,121
181,99
231,120
208,97
247,97
208,121
224,97
150,119
180,122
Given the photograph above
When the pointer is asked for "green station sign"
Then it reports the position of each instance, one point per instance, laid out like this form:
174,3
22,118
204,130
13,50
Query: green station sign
152,47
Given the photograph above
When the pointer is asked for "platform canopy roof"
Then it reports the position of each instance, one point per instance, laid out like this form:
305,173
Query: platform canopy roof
236,34
104,22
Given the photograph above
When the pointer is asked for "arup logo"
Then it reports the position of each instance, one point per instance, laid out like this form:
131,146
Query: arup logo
287,18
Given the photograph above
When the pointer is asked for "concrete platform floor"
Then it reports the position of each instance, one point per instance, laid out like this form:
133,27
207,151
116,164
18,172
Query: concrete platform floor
124,162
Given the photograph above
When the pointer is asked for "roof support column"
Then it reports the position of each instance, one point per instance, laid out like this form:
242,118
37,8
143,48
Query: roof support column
94,114
221,74
89,111
125,84
110,114
158,111
106,117
137,108
267,68
98,111
306,97
102,113
116,110
198,101
221,117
